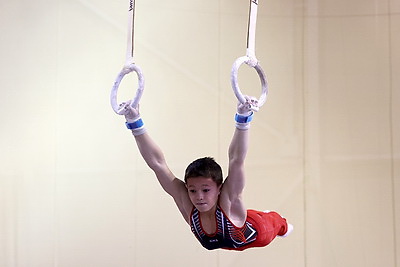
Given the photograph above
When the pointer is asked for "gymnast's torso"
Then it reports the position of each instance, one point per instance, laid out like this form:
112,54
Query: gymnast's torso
227,235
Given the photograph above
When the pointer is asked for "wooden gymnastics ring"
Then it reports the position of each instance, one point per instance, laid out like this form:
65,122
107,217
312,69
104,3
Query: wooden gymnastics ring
235,85
139,91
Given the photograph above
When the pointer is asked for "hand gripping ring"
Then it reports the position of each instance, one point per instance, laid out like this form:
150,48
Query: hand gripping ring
114,91
261,74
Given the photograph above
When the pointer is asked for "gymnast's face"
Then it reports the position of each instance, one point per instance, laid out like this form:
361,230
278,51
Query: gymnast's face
203,192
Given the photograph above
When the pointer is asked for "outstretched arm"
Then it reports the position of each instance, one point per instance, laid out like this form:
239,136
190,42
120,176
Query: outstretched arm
237,155
231,195
238,149
155,159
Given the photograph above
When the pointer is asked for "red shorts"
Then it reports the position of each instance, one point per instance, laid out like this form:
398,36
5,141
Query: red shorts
268,226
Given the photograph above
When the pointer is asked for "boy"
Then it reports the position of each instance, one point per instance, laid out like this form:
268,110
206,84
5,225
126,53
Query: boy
213,208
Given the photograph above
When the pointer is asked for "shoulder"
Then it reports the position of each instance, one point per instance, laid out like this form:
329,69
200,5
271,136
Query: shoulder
233,207
182,201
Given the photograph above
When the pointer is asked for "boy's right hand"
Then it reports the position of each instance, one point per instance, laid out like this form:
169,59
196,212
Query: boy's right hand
131,114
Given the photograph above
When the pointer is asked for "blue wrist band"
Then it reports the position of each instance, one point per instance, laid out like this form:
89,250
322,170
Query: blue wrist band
134,125
243,119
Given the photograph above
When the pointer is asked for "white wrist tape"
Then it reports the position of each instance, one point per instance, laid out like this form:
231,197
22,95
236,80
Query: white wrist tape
138,131
137,127
243,122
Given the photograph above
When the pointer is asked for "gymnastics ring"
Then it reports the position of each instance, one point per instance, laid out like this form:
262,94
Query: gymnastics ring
261,74
135,102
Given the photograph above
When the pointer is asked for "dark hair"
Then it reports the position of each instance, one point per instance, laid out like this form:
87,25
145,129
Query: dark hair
206,167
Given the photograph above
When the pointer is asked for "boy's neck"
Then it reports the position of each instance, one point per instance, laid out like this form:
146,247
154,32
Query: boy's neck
210,214
208,221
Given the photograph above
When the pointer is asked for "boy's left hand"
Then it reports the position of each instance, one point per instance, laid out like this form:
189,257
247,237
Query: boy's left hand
248,107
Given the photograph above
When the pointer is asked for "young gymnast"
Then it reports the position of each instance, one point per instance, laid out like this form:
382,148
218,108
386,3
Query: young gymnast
213,208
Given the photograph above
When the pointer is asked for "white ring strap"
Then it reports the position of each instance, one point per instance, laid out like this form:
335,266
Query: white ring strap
251,30
131,32
129,66
250,59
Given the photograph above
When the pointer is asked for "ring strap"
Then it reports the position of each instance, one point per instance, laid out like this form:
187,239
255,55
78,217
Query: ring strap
251,30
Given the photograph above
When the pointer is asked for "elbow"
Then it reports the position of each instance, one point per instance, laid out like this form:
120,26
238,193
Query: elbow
236,161
156,165
236,165
237,156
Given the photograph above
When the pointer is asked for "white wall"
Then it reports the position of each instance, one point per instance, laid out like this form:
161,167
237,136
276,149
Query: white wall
324,149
